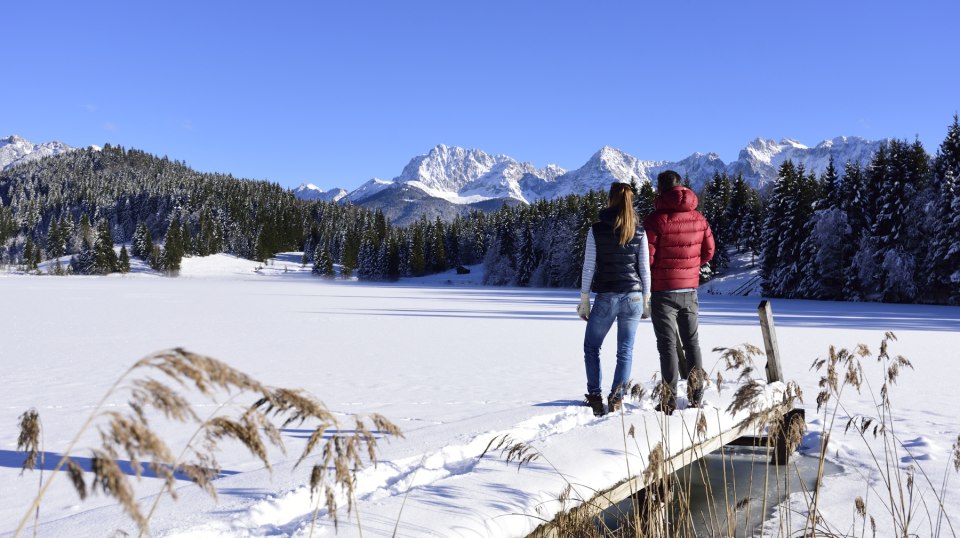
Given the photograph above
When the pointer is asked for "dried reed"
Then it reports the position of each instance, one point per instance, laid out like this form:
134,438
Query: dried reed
128,435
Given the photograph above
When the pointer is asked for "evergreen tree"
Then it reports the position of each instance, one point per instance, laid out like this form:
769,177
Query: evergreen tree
526,261
56,242
439,250
155,259
948,154
831,186
715,200
84,262
105,259
943,257
172,255
37,259
418,262
27,253
857,206
897,175
826,253
643,197
186,243
323,261
85,231
774,227
738,213
123,263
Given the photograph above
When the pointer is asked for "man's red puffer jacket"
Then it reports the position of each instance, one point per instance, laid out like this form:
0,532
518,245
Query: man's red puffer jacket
680,240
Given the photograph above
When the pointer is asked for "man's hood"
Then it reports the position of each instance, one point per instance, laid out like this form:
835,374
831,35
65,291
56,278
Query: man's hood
676,199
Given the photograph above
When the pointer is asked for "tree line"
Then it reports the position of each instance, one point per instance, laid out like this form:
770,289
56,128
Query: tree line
884,231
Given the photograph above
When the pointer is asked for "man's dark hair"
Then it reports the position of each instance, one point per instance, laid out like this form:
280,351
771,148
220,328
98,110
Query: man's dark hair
667,180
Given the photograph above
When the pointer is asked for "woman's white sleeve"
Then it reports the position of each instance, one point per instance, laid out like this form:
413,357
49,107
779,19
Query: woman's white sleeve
589,263
643,264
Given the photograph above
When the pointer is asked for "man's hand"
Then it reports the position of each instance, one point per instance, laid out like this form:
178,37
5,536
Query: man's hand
646,306
583,309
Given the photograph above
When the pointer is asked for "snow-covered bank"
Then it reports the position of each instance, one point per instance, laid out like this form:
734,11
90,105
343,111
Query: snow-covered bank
453,365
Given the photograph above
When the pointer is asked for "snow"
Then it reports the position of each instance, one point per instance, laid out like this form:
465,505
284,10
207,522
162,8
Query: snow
15,150
368,189
453,363
309,191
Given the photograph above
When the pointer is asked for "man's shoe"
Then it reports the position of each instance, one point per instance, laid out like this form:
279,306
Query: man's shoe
667,406
595,402
695,384
614,403
695,398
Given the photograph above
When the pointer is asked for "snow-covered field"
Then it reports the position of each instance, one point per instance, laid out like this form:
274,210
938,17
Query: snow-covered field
452,363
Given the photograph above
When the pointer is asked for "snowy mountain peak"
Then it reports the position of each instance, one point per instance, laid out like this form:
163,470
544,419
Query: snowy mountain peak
15,149
449,168
792,143
309,191
371,187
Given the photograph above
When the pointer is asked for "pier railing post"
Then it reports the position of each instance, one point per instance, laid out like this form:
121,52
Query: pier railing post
774,372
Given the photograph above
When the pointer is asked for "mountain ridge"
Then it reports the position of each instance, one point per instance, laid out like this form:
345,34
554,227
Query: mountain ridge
468,176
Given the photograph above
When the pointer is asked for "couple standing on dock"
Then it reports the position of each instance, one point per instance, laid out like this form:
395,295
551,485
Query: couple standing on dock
640,272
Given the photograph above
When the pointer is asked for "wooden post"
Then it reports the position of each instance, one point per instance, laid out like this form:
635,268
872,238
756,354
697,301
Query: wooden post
774,372
795,418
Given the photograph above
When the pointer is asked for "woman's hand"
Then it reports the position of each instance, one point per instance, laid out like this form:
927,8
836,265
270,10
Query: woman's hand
583,309
646,306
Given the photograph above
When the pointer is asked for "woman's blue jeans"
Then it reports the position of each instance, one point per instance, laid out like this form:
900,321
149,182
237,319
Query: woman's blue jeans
625,309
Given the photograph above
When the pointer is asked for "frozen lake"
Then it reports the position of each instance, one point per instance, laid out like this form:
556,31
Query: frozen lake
450,364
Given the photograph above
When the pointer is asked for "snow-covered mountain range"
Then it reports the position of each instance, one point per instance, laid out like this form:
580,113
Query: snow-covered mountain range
309,191
15,150
450,180
470,176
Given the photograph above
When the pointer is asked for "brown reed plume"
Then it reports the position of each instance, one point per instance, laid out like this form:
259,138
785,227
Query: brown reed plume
29,439
128,434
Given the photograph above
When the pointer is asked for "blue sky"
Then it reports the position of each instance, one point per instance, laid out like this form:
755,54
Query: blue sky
335,93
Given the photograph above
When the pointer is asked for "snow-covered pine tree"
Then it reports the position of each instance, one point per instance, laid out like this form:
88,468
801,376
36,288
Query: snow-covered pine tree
948,154
714,203
738,213
892,253
831,186
56,245
322,260
526,257
774,228
105,259
84,262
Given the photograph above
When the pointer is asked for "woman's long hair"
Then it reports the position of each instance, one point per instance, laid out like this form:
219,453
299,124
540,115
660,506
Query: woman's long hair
621,198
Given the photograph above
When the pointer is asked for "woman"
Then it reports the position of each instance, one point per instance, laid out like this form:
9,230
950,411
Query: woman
616,265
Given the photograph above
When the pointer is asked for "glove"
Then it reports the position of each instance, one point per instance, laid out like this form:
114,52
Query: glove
583,309
646,306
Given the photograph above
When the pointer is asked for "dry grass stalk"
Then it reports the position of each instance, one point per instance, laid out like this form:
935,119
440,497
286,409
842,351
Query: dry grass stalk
512,451
956,455
860,506
128,435
29,439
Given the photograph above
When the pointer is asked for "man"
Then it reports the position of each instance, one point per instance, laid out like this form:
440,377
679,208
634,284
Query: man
680,241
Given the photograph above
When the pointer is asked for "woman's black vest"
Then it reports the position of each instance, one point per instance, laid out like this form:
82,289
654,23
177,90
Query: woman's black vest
616,269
